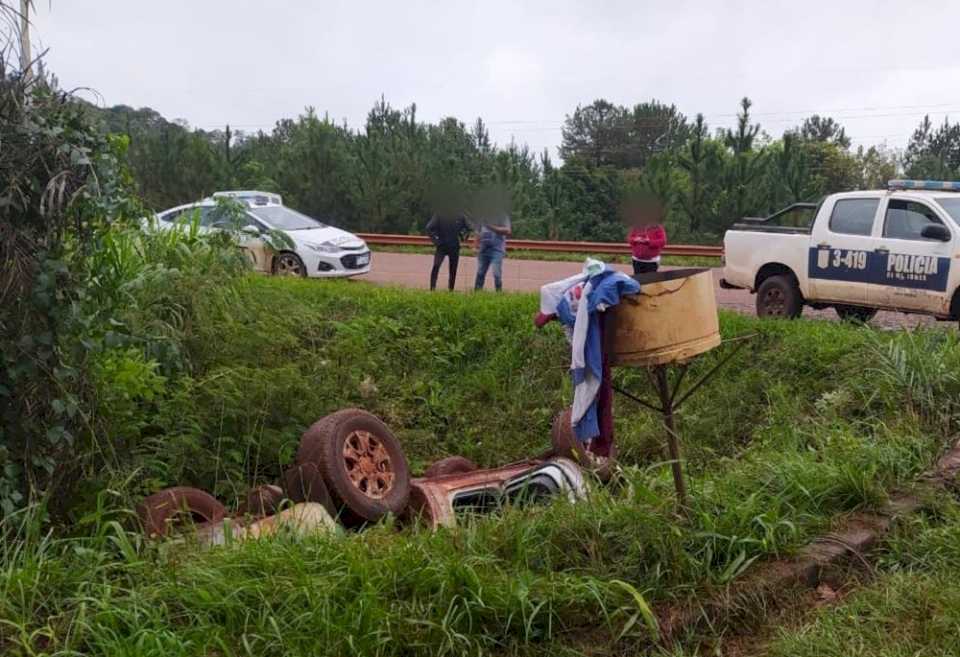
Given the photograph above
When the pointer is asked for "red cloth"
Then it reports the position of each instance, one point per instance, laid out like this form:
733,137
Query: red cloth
647,242
540,320
603,444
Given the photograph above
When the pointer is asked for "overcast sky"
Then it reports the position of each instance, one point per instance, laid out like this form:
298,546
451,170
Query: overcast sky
521,65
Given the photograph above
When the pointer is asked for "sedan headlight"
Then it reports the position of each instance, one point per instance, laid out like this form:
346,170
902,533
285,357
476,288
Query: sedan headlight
326,247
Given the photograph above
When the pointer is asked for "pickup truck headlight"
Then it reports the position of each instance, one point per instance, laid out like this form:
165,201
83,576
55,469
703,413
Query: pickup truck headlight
325,247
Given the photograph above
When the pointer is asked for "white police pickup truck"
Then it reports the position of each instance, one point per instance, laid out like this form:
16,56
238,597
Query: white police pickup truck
858,252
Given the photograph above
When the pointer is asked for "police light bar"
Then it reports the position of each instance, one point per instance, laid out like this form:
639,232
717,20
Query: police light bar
253,197
932,185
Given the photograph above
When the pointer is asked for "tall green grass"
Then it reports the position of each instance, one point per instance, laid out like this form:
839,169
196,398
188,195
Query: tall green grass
463,374
911,608
813,420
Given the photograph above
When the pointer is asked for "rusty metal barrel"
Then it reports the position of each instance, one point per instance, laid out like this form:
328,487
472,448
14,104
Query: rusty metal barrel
672,319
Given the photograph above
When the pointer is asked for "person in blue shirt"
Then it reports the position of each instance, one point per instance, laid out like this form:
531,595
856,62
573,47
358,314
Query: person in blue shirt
493,229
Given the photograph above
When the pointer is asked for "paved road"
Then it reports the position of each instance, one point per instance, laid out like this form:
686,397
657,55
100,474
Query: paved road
413,270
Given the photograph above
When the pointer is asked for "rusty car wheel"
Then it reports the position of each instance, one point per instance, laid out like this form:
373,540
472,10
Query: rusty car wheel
177,507
565,444
263,500
304,483
368,464
362,464
561,434
450,465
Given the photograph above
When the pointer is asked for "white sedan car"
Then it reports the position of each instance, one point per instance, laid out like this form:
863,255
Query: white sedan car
315,249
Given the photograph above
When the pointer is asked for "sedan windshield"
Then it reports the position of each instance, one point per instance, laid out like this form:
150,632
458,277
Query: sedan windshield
283,218
952,205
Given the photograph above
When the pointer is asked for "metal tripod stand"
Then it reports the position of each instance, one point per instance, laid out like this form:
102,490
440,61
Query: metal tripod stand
670,399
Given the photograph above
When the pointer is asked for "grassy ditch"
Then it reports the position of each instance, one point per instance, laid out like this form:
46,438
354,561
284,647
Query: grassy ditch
911,607
811,421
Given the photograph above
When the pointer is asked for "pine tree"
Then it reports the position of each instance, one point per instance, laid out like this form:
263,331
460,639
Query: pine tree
693,160
746,165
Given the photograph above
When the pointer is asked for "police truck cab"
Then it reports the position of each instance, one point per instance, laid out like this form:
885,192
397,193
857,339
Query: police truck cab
857,252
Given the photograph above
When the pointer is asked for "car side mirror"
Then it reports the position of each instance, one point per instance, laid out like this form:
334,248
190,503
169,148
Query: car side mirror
936,232
250,229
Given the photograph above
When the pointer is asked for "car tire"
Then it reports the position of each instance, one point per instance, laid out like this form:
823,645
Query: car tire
362,464
263,500
561,434
304,483
450,465
855,314
312,438
176,507
288,263
565,444
779,296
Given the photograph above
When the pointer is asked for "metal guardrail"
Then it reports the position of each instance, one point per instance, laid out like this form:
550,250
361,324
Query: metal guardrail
553,246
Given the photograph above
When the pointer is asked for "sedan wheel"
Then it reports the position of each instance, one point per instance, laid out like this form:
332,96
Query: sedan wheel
289,264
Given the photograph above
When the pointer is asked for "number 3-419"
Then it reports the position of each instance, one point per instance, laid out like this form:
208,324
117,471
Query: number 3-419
850,259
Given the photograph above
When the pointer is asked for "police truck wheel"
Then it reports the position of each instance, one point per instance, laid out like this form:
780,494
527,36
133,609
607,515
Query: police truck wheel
779,296
855,314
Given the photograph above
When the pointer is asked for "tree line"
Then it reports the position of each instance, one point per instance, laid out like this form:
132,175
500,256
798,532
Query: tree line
381,177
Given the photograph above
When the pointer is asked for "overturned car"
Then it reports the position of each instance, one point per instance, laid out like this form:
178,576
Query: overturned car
350,468
437,500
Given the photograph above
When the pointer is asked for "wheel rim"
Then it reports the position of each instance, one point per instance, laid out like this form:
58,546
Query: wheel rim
775,302
368,464
289,265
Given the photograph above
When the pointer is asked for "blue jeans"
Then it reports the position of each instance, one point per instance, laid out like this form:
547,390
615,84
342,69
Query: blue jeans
485,258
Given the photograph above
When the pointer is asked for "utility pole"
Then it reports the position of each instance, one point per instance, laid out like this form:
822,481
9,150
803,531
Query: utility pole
25,57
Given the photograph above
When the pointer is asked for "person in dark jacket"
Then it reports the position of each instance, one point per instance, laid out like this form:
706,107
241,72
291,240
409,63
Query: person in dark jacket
446,230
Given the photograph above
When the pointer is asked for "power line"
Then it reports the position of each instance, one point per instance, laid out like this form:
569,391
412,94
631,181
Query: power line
836,111
832,112
853,117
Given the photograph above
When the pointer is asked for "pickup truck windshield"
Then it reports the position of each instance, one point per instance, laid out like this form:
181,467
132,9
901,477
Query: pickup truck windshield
283,218
952,205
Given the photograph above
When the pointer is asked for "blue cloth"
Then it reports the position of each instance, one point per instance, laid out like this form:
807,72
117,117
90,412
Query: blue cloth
603,290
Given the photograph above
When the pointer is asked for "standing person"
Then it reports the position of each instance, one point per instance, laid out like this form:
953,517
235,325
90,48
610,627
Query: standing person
494,230
446,229
647,238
